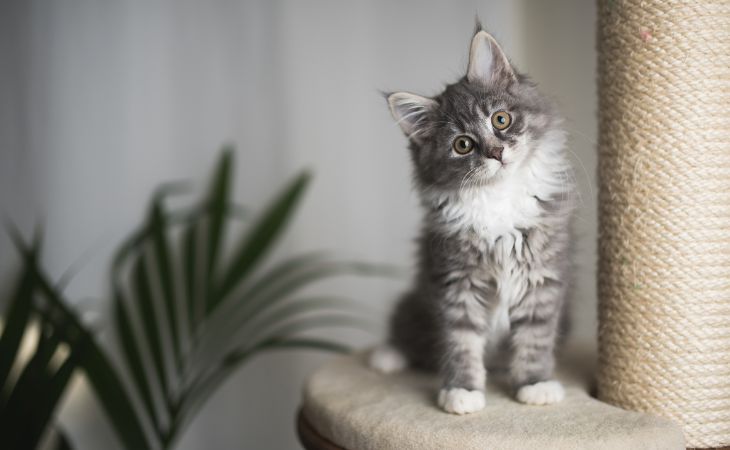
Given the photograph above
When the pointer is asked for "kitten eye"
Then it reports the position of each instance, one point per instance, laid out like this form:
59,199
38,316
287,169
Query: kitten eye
501,120
463,145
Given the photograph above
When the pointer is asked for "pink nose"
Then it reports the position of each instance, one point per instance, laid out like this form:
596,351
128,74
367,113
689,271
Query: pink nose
495,153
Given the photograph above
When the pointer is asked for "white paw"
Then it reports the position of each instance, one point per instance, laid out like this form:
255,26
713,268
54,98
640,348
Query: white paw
461,401
542,393
386,359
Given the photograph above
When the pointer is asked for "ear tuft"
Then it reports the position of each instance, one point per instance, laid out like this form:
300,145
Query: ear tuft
410,112
477,24
487,61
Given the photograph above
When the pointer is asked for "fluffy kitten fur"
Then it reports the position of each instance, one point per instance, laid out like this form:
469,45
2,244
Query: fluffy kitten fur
494,250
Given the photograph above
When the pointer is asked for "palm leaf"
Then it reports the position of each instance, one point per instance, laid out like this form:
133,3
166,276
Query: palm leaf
218,296
17,415
282,270
102,376
16,320
234,359
297,307
142,294
262,235
216,205
292,326
53,388
62,442
133,356
215,347
28,404
193,296
139,236
158,225
286,328
275,287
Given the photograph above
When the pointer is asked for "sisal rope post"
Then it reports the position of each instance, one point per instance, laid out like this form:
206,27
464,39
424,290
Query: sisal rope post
664,212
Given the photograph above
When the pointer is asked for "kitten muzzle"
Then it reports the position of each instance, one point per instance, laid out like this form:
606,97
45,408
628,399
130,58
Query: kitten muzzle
495,153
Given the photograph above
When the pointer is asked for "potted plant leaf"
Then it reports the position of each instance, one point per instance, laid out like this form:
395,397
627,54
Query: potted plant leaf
187,312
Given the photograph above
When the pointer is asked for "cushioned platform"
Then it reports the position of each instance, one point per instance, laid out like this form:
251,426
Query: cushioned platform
359,409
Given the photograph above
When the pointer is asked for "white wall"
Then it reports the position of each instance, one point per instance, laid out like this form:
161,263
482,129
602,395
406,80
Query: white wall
101,101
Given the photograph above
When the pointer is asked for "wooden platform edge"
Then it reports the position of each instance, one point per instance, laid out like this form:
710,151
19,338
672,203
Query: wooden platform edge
310,438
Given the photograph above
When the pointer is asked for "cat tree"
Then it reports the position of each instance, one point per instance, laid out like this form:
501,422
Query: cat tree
664,212
664,270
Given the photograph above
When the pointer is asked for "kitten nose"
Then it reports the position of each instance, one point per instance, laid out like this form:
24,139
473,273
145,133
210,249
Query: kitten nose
495,153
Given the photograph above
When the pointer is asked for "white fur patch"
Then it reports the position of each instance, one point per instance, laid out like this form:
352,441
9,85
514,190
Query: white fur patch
542,393
494,211
386,359
461,401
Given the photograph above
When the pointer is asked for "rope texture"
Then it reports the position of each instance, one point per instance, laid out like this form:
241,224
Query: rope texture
664,212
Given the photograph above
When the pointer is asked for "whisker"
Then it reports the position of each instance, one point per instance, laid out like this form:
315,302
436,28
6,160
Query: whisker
585,171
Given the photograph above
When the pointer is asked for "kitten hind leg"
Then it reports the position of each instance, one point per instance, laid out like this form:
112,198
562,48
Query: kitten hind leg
412,339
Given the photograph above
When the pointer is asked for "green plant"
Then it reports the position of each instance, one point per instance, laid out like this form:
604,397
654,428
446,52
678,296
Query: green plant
63,344
31,392
25,420
187,313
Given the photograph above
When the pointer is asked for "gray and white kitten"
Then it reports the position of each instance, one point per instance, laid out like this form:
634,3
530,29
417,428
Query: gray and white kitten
491,169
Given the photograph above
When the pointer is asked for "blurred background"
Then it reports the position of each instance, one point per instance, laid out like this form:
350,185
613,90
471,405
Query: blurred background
100,102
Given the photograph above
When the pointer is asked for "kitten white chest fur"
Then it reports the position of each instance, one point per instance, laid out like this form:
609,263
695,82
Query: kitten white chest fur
495,212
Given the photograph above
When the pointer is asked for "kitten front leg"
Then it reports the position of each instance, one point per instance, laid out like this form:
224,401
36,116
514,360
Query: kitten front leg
463,371
534,327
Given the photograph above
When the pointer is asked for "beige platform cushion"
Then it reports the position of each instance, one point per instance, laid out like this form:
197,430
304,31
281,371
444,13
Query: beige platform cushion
360,409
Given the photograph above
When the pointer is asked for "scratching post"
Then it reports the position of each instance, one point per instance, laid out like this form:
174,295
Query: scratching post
664,237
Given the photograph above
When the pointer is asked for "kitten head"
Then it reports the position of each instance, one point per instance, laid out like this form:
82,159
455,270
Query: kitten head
482,128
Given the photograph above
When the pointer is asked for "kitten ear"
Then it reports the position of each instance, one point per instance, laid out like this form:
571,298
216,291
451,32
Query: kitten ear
487,61
410,111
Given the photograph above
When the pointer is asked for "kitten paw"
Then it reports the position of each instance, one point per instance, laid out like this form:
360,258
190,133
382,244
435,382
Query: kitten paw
386,359
461,401
542,393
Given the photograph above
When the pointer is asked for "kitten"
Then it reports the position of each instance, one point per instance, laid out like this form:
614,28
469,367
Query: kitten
491,169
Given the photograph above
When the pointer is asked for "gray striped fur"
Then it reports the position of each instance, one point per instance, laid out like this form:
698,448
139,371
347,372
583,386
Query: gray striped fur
494,257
